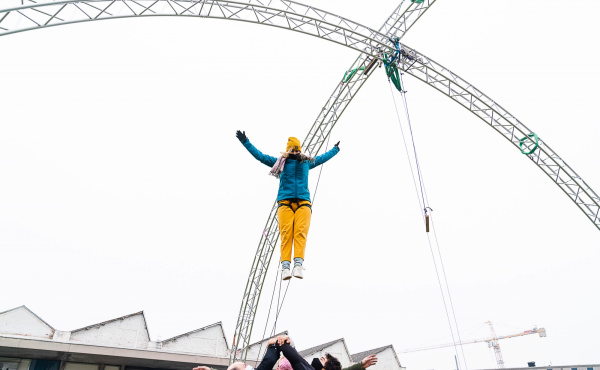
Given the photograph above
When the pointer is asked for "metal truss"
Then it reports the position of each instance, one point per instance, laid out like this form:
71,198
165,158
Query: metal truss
30,15
465,94
276,13
401,20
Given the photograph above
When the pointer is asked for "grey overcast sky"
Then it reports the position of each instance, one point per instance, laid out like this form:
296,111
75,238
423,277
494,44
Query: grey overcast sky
123,187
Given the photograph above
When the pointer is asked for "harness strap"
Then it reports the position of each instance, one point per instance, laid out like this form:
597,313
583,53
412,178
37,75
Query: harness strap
289,205
304,205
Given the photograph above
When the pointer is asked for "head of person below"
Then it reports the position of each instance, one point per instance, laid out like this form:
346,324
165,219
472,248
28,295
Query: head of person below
326,362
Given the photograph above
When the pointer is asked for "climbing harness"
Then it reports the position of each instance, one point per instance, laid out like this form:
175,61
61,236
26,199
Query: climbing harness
527,138
289,204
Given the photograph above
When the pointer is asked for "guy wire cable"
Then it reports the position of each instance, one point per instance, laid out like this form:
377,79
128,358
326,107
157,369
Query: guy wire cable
279,306
268,314
422,205
434,231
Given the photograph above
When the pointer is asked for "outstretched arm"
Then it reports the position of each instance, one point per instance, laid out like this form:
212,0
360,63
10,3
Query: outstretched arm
365,363
319,160
262,158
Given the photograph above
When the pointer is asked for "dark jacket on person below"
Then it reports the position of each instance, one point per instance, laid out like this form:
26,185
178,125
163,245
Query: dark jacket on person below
270,359
299,363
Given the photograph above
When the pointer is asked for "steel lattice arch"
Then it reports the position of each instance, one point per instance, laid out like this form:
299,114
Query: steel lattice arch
19,16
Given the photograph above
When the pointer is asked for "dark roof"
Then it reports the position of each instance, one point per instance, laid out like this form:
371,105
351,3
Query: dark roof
31,312
357,357
191,332
318,348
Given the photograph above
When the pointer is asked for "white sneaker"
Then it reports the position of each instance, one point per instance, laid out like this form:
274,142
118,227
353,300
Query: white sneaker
285,274
297,272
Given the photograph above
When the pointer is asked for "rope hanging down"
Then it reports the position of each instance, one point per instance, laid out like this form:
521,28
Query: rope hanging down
423,203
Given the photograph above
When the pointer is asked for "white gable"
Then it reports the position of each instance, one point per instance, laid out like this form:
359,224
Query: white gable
387,360
257,350
21,321
337,350
208,341
127,331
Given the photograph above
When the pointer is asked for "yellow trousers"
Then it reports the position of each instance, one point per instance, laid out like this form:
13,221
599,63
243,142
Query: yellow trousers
294,221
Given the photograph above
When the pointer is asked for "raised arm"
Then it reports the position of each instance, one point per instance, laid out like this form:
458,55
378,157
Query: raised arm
319,160
365,363
262,158
297,362
290,353
270,359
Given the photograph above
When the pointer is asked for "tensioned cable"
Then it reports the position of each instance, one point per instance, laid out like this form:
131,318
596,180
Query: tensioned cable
269,314
279,306
424,195
326,147
422,205
321,170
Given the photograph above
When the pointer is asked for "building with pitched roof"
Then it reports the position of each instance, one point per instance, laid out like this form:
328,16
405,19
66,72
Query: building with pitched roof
29,343
336,348
386,358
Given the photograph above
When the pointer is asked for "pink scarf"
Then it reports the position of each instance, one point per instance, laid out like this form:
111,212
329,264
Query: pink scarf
277,169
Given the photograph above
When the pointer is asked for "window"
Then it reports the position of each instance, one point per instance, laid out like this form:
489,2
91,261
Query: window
44,365
77,366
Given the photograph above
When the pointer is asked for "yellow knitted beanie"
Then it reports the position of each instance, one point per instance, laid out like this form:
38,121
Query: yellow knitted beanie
293,143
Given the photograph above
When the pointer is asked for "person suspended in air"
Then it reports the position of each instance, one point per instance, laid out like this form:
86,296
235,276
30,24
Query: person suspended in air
293,199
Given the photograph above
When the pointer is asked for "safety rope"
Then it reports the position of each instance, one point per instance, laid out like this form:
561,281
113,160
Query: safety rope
423,204
321,170
269,314
280,306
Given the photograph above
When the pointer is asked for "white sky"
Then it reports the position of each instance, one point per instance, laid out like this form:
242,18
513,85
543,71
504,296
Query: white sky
124,188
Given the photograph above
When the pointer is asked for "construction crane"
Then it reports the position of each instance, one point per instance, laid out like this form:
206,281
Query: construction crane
492,342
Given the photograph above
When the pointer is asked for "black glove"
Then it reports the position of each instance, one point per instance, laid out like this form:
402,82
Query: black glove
241,136
337,145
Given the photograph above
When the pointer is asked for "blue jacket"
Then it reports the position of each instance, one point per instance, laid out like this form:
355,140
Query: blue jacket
293,182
